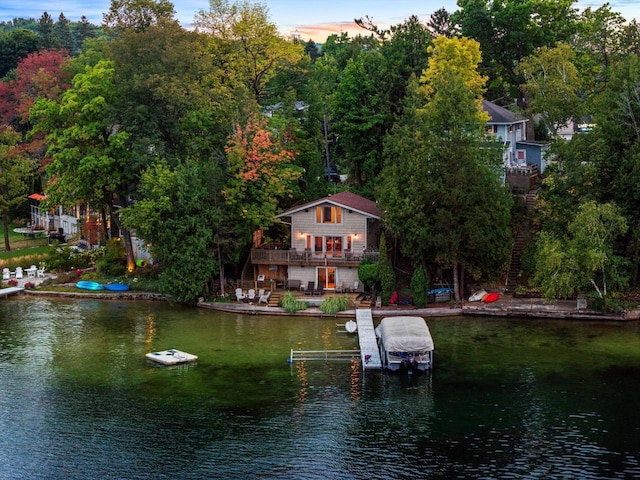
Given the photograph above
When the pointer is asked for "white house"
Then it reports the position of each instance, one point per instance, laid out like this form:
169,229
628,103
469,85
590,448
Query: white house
329,239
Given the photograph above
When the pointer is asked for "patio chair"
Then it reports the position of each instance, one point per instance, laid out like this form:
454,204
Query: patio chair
264,298
31,271
6,274
240,295
19,273
260,292
356,286
320,290
310,288
40,272
251,295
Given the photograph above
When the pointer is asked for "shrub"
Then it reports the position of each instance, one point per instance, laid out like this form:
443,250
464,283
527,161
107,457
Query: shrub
12,283
113,259
29,285
419,286
291,304
333,305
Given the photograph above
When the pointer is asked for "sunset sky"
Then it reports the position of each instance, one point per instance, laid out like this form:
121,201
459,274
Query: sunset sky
314,20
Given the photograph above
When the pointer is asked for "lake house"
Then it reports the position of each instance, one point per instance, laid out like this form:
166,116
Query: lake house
329,239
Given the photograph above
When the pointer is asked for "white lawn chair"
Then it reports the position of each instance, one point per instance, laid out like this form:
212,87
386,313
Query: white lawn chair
40,272
19,273
6,273
240,295
251,295
31,271
264,298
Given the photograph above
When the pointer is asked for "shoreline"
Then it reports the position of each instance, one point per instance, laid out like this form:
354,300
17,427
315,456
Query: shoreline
507,306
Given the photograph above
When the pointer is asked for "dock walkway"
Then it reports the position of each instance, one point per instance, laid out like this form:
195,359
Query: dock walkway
5,292
369,353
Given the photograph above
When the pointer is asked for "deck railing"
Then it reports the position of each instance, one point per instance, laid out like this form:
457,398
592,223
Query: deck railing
297,257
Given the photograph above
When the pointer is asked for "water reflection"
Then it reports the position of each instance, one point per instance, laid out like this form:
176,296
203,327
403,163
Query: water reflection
507,398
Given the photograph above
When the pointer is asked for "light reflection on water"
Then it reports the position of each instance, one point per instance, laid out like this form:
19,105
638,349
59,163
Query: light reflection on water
507,398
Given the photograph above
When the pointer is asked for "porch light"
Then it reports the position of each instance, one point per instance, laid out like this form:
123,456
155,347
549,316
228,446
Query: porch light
355,235
302,235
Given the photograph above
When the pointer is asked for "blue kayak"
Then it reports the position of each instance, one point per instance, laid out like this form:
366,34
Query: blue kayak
117,287
88,285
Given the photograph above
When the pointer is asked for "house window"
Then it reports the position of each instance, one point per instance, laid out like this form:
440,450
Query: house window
330,246
521,157
328,214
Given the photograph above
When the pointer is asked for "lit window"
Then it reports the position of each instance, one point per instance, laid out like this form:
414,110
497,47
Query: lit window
328,214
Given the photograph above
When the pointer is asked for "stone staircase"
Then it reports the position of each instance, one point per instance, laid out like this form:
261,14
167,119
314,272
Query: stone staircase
515,264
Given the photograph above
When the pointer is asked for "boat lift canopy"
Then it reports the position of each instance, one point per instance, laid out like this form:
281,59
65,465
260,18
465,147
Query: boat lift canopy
405,334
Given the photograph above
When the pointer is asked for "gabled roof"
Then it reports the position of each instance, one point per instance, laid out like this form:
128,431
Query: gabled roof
500,115
347,200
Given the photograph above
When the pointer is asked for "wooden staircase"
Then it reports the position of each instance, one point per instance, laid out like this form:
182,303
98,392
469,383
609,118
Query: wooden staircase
274,299
515,264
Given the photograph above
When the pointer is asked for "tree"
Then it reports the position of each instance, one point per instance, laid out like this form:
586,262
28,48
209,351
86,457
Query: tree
255,51
137,15
63,32
419,287
175,214
441,24
509,30
48,37
552,84
584,258
261,174
89,151
386,272
441,190
14,46
15,171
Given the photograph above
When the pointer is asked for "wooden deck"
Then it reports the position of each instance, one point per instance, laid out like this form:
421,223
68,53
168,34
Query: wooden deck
369,352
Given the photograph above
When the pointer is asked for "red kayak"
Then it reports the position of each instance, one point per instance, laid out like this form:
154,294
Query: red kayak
490,297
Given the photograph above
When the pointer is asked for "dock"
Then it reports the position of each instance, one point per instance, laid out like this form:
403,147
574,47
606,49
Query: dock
369,353
5,292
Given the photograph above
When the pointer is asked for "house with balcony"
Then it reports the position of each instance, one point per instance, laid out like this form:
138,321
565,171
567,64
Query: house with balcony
329,239
524,160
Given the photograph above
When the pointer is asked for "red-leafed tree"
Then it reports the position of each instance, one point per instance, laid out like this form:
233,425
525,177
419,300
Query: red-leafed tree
261,172
40,74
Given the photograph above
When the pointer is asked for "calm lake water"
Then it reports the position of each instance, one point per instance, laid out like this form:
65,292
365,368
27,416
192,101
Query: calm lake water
507,399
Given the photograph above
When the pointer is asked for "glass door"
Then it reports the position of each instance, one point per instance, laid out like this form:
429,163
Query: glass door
327,275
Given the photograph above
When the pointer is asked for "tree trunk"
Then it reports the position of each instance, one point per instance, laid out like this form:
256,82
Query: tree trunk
222,280
128,245
456,283
5,227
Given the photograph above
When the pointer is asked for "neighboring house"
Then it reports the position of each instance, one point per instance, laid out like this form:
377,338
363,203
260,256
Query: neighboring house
329,239
511,131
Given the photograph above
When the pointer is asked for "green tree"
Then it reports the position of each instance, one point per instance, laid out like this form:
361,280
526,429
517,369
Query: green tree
585,257
553,86
137,15
386,272
254,49
176,215
441,190
14,46
90,154
509,30
15,172
419,287
63,32
48,38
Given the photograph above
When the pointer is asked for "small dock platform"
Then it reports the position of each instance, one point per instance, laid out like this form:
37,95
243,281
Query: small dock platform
369,352
5,292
